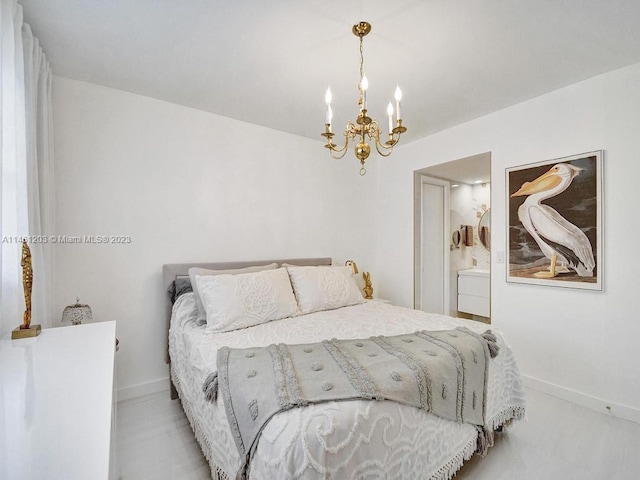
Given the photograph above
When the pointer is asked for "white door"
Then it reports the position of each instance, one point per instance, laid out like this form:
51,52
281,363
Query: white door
434,246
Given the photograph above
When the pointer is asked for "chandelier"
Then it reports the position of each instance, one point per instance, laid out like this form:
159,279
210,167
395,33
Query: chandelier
364,128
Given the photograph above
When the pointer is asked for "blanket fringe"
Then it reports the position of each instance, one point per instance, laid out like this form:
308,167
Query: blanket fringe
492,343
448,470
216,472
485,441
210,387
508,414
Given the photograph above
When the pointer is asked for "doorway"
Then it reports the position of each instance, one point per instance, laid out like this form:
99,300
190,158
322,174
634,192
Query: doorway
450,199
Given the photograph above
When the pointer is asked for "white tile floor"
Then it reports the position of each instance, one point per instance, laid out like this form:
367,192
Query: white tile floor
154,441
560,440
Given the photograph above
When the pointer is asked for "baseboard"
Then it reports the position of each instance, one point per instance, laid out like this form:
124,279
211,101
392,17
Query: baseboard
133,391
579,398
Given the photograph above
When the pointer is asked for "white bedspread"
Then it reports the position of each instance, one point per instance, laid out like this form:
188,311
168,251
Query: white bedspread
338,440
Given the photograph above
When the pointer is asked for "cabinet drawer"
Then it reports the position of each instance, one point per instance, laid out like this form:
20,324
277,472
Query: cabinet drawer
473,285
473,304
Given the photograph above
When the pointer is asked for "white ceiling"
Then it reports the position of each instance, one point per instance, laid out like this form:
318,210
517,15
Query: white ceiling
468,170
269,62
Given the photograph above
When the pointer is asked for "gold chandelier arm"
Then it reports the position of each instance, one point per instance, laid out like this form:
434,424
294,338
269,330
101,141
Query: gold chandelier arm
341,151
352,130
383,149
386,149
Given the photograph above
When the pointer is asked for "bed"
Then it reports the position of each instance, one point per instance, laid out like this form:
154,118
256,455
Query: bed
353,439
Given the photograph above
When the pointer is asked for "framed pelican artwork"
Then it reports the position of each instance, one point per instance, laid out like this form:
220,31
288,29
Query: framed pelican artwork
554,209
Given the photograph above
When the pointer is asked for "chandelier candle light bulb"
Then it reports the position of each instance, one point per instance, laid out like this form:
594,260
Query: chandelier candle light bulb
398,97
327,100
364,85
329,117
364,128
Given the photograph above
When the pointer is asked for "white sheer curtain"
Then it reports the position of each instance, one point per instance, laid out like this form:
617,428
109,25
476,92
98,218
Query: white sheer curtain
26,168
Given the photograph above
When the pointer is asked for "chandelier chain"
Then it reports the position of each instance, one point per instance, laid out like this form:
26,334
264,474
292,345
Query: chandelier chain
361,63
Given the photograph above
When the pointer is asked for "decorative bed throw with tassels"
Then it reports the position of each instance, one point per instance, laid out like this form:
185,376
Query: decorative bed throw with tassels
441,372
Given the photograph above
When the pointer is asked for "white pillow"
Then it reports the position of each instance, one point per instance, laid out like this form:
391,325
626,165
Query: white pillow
205,272
324,287
238,301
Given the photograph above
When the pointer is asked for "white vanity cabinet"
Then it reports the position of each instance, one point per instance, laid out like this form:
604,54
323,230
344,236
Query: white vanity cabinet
474,287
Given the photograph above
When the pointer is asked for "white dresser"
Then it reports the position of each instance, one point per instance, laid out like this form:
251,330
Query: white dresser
56,403
474,292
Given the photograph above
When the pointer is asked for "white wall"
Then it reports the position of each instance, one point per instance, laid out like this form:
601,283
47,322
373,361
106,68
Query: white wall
186,186
583,341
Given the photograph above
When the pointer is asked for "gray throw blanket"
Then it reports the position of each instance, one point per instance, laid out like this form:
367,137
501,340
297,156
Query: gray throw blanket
442,372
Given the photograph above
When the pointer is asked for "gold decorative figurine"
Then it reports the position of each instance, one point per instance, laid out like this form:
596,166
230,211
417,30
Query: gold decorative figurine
368,288
27,283
26,329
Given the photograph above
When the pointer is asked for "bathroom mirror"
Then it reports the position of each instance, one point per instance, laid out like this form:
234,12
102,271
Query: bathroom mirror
484,229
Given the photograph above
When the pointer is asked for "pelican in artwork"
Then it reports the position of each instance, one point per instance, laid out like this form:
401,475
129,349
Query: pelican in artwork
560,240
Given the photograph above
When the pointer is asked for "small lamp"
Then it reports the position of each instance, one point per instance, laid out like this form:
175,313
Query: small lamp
352,264
77,313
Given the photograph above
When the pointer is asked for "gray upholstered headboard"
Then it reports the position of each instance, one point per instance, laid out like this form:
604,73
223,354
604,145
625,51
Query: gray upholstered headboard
171,271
